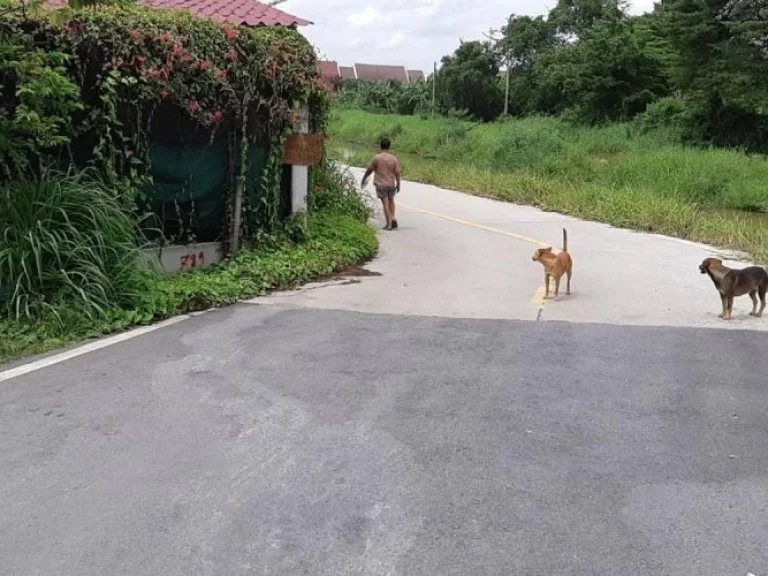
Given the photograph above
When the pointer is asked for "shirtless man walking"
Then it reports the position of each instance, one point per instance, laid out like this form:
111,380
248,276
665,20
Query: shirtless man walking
386,169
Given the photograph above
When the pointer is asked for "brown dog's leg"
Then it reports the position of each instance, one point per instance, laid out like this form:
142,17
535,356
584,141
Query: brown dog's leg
724,313
568,285
557,286
730,307
761,292
546,285
753,295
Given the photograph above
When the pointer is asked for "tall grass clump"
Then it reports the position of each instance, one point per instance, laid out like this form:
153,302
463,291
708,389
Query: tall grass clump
66,240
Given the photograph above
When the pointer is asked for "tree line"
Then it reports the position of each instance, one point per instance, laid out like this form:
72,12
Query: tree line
698,66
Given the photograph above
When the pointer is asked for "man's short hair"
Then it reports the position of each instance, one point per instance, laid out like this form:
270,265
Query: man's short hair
385,143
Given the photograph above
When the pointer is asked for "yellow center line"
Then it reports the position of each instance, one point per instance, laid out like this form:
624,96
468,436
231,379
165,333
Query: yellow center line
538,296
476,225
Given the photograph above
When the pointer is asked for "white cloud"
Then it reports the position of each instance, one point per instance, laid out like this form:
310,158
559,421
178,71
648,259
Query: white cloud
412,33
395,40
365,18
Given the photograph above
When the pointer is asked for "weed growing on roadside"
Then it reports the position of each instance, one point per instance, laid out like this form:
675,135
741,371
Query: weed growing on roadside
66,239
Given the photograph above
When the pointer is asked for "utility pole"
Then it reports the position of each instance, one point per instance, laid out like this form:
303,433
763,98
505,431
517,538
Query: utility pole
434,85
506,93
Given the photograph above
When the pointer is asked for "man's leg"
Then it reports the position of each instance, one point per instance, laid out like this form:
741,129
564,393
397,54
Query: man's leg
387,215
392,213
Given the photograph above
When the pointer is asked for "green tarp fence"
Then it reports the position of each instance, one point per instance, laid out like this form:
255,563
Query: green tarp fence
189,190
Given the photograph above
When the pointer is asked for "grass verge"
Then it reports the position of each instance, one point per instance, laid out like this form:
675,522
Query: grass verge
617,174
333,241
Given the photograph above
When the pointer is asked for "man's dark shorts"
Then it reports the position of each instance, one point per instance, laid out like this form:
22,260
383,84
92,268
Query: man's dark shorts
383,193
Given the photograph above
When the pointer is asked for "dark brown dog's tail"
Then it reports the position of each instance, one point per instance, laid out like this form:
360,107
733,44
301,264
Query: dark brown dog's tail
565,240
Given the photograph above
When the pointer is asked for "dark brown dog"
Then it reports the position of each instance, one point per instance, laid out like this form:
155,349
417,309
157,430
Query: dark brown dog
555,266
733,283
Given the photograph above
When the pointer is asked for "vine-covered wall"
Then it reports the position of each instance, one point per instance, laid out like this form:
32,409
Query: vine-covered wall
118,87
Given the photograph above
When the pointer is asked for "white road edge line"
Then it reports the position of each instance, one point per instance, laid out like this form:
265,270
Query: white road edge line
87,348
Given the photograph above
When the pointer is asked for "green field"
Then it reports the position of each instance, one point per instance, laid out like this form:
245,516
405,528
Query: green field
617,174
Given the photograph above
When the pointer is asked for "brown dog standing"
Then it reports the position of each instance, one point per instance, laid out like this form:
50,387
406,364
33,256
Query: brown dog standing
555,266
733,283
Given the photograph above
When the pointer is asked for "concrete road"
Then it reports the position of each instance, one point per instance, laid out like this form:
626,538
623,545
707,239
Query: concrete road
461,256
419,422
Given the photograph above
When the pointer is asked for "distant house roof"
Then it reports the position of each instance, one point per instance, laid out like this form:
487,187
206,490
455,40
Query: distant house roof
376,73
416,75
329,69
237,12
347,73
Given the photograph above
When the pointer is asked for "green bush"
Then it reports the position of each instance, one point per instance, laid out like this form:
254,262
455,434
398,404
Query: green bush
334,190
385,97
65,239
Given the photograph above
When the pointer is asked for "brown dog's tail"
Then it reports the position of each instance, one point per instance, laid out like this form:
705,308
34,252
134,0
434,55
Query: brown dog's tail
565,240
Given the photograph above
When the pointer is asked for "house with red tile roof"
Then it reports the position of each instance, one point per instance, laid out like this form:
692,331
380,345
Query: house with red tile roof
377,73
329,69
416,76
236,12
347,73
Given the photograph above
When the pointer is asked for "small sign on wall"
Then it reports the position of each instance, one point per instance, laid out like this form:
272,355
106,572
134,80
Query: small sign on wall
303,149
174,259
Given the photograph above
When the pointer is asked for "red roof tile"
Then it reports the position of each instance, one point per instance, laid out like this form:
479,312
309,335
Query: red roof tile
347,73
238,12
376,73
329,69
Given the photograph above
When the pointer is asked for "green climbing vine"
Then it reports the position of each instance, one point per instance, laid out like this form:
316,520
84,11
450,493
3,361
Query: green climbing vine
86,86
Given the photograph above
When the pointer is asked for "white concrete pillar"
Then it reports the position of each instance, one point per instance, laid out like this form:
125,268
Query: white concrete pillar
300,174
299,188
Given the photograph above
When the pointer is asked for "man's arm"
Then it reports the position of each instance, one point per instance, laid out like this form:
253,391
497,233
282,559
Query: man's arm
398,171
368,171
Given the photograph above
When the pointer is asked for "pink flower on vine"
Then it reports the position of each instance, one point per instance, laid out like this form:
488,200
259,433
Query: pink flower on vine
165,37
135,34
204,65
232,55
231,34
140,59
220,74
194,106
164,94
217,116
178,50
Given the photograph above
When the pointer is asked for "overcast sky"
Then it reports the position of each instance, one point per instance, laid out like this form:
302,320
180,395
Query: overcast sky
413,33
